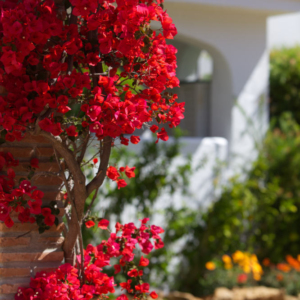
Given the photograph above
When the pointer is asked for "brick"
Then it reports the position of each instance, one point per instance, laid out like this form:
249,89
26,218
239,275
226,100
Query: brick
43,167
24,227
13,242
31,257
51,241
18,152
44,152
47,270
35,139
52,195
11,288
42,180
14,272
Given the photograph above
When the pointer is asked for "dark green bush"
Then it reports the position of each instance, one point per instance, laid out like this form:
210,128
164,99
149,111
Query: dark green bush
285,82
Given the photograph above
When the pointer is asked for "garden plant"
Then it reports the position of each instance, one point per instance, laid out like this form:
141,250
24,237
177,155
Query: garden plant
76,72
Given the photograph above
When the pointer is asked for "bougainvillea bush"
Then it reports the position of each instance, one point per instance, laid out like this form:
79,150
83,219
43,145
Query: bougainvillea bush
73,71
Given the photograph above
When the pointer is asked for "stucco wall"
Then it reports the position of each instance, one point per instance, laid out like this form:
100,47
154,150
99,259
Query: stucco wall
237,41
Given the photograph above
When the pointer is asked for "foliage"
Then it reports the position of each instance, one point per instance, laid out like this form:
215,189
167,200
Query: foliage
258,214
285,82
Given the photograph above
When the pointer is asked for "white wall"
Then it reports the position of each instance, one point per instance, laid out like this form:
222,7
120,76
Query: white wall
268,6
284,31
237,42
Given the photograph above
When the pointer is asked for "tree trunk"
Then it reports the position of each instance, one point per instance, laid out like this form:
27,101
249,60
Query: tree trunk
23,251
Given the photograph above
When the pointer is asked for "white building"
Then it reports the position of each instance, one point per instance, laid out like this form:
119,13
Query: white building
228,113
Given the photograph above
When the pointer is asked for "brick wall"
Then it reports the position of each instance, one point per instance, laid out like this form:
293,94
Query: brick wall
23,251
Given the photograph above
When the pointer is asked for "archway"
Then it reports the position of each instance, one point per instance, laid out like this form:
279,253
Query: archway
215,115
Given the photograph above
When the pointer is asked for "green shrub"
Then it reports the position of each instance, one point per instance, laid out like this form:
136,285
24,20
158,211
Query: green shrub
259,214
285,82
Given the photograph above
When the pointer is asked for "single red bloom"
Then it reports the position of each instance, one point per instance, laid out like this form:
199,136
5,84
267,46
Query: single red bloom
135,139
9,222
144,262
129,172
153,295
71,131
154,128
121,183
118,226
95,160
133,273
112,173
46,211
89,224
117,269
163,135
34,163
49,220
103,224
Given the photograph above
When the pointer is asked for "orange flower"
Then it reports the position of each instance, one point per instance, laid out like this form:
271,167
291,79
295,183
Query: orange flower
293,262
210,266
266,262
283,267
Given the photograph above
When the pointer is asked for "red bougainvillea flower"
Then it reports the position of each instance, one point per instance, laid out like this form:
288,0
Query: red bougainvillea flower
154,128
129,172
103,224
89,224
71,131
34,162
153,295
144,262
134,139
112,173
121,183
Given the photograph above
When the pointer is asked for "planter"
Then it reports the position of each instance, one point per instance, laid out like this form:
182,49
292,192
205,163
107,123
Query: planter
23,251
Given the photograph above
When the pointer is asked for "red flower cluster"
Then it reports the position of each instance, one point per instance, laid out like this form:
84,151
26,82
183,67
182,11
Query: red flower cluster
38,41
25,200
114,174
65,283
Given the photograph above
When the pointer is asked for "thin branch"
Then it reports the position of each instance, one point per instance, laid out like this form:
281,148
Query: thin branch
83,148
99,178
91,204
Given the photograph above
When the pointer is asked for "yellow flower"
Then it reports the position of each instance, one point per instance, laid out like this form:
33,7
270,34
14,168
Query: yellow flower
256,276
226,259
247,269
256,268
253,257
238,256
210,266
